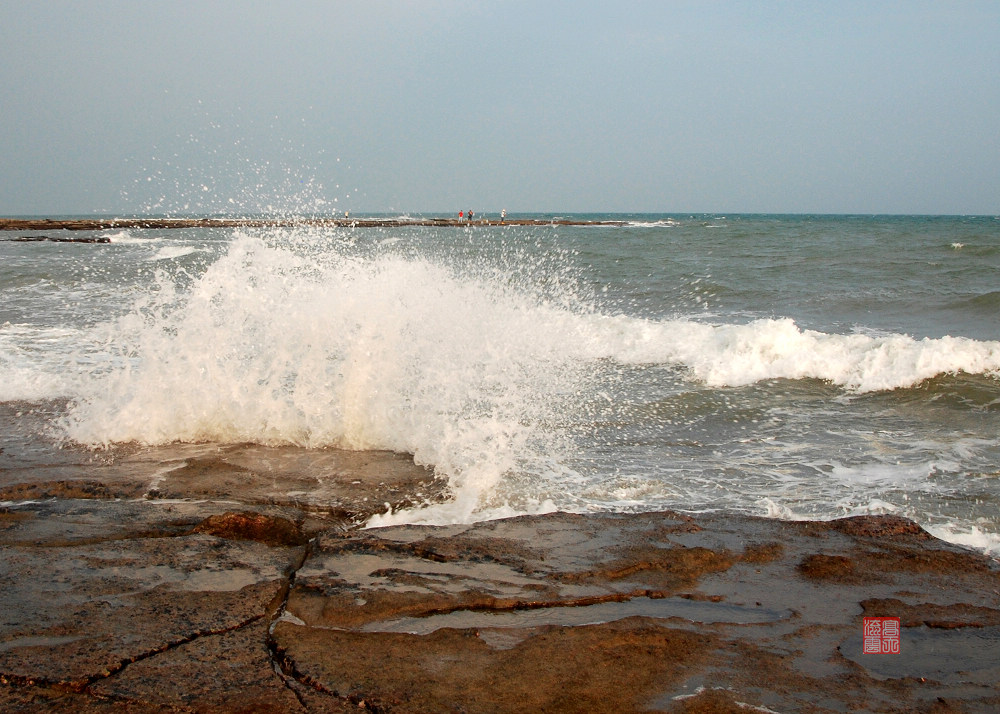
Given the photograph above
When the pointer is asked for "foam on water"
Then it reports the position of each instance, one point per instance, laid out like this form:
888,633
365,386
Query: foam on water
971,537
666,222
127,238
484,357
733,355
361,352
482,372
172,252
39,363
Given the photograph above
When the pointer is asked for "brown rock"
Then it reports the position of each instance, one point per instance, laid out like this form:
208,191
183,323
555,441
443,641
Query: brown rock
270,530
609,667
762,552
66,489
189,674
885,526
932,615
140,604
819,566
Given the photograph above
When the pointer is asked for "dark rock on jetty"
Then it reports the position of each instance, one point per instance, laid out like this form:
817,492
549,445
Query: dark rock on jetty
238,579
100,224
59,239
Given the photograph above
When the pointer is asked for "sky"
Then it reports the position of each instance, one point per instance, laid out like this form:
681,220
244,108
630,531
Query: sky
124,107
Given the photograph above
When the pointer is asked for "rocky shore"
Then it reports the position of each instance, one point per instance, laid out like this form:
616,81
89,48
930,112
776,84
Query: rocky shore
238,579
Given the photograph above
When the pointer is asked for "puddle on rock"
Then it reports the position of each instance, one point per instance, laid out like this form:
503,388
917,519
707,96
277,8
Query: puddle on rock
949,656
572,616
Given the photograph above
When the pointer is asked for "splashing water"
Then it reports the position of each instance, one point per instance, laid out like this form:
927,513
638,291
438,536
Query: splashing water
327,348
496,358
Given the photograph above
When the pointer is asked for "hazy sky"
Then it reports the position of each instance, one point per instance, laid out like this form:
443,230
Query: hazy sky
437,105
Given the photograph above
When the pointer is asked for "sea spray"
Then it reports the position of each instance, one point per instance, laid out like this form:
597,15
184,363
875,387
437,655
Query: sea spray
496,372
341,348
824,366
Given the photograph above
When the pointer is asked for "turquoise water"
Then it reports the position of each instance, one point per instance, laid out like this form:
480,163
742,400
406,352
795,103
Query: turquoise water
794,366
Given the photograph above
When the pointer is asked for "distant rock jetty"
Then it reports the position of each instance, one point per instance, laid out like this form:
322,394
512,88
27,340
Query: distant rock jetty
59,239
100,224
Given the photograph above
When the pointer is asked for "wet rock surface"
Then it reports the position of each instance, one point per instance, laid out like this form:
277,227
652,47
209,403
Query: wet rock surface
230,579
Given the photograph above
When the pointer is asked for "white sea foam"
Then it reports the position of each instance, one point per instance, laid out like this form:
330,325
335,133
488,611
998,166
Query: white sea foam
971,537
968,535
124,237
361,353
172,252
733,355
39,362
470,371
666,222
25,384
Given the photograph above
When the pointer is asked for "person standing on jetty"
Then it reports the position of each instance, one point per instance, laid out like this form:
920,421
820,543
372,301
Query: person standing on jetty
503,215
460,215
470,215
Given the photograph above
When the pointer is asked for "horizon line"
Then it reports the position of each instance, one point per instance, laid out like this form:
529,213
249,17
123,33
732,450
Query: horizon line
307,215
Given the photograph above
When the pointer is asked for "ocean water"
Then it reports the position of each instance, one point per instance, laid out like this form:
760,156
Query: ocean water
788,366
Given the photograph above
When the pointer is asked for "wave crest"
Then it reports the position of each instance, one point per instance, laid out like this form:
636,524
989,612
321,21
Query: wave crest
736,355
474,373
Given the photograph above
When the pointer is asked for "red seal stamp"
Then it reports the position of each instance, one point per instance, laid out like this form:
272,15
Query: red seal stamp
881,635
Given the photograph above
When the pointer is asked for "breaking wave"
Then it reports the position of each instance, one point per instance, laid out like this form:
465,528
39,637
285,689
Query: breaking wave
476,372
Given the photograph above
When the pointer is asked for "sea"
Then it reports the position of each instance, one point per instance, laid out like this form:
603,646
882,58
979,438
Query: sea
787,366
